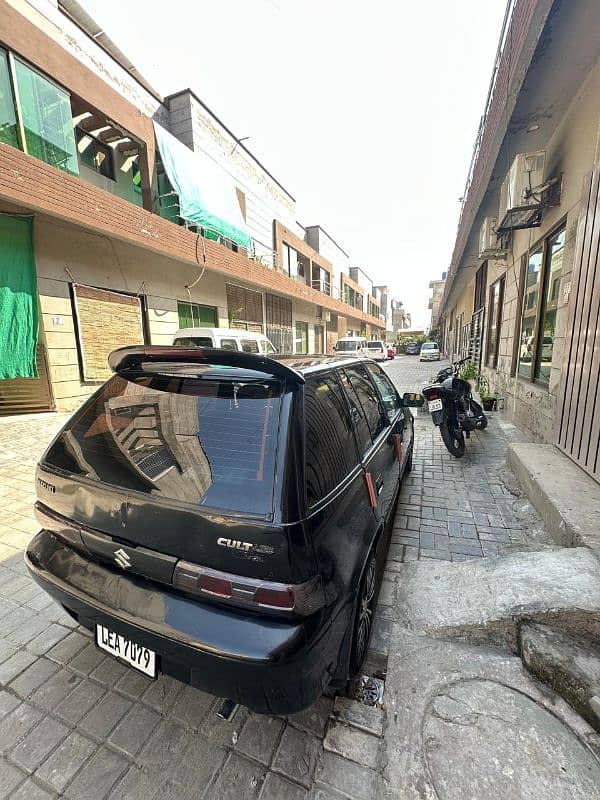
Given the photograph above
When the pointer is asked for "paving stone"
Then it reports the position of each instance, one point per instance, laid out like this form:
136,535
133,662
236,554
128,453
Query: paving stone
109,671
54,690
352,743
8,703
87,660
136,785
200,763
380,634
221,732
49,637
297,756
75,705
350,779
134,730
39,742
14,665
98,776
16,725
192,707
10,777
314,718
104,715
68,647
441,555
366,718
259,737
164,747
465,548
30,791
163,693
28,681
239,780
65,761
276,788
131,683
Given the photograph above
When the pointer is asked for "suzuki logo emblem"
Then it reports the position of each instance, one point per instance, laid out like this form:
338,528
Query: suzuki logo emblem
122,558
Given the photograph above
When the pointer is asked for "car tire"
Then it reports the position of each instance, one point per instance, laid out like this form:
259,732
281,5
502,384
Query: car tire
365,610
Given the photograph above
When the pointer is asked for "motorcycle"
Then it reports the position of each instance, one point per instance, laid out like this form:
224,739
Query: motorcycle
453,409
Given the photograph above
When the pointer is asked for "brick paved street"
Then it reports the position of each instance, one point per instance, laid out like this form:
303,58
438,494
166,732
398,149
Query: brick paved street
75,723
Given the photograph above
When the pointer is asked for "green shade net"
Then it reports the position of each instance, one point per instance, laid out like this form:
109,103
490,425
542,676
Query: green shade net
18,299
46,113
206,193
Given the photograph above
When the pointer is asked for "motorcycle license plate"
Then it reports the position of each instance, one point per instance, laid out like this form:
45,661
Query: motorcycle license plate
435,405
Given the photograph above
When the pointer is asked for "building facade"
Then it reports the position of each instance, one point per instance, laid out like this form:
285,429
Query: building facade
522,297
437,291
95,190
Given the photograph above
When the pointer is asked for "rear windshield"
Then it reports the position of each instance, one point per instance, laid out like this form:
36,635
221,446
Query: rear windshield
202,440
429,346
374,345
194,341
347,347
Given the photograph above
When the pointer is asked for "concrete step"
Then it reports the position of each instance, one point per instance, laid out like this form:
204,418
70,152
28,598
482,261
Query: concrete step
565,497
569,665
483,601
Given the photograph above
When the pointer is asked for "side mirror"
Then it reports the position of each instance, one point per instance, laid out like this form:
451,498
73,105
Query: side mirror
413,399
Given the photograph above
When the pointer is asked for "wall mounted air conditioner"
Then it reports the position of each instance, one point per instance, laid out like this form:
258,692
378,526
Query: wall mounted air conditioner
520,205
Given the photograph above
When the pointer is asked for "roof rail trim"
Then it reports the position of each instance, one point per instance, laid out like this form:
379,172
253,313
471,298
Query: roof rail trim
127,358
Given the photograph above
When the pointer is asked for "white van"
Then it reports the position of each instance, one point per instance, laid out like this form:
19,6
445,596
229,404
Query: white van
225,338
351,346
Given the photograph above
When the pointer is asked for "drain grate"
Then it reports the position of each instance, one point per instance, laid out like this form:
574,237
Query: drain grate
368,690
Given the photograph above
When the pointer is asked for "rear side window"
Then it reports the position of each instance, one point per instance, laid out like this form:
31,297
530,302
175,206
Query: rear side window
208,442
363,390
249,345
374,345
330,449
194,341
229,344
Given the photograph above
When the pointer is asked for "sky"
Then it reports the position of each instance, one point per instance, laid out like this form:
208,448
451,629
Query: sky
365,111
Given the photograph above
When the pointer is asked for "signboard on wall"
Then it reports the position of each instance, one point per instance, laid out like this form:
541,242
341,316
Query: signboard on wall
105,321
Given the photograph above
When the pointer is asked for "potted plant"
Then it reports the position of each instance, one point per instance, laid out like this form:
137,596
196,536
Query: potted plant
488,401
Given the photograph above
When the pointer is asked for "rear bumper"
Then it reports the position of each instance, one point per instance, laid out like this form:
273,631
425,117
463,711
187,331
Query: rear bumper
269,665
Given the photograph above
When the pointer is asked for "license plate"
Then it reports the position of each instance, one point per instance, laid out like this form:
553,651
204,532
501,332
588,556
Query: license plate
435,405
136,655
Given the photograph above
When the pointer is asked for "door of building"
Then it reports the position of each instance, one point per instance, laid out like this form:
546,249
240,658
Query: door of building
579,404
319,339
27,395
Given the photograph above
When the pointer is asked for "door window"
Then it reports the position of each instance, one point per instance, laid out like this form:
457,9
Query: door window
368,399
387,390
249,345
229,344
330,450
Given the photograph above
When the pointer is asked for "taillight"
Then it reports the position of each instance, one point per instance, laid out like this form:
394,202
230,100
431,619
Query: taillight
432,395
298,598
69,532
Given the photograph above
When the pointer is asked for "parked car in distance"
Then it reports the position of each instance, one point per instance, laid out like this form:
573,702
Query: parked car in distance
429,352
225,338
377,350
412,349
391,351
224,517
351,346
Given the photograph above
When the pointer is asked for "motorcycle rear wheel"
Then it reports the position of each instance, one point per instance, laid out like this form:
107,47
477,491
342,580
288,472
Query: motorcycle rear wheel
453,439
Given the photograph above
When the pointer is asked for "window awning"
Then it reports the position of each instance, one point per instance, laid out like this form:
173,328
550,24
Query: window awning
207,195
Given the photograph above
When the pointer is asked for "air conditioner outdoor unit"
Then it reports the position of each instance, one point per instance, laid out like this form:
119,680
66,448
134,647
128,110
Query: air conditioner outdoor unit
487,237
519,206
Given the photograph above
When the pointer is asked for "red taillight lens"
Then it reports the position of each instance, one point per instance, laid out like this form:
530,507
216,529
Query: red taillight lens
432,396
300,598
218,587
275,598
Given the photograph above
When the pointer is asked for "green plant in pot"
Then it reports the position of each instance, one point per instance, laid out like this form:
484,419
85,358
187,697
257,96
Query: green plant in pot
488,401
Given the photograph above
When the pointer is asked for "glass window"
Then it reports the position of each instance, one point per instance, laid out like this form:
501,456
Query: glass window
229,344
365,406
330,450
495,321
552,273
8,117
266,347
530,303
194,315
194,341
387,390
204,442
357,415
249,345
302,337
95,155
46,113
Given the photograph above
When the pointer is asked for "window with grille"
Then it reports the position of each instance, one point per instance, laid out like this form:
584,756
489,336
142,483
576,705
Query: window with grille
244,308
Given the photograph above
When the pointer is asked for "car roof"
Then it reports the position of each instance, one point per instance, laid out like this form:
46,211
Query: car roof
233,332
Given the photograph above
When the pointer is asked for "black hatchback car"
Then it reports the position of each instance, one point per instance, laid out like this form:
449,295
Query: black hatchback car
223,517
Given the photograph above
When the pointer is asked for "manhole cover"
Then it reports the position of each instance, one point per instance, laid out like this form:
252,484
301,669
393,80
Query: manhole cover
368,690
484,739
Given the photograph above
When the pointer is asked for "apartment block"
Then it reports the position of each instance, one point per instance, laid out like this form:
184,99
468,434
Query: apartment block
125,215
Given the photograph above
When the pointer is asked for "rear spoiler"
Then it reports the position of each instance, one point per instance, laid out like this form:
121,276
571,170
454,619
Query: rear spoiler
131,358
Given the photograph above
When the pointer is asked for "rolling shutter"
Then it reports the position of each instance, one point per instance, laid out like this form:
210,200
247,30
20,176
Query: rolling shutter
244,308
27,395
